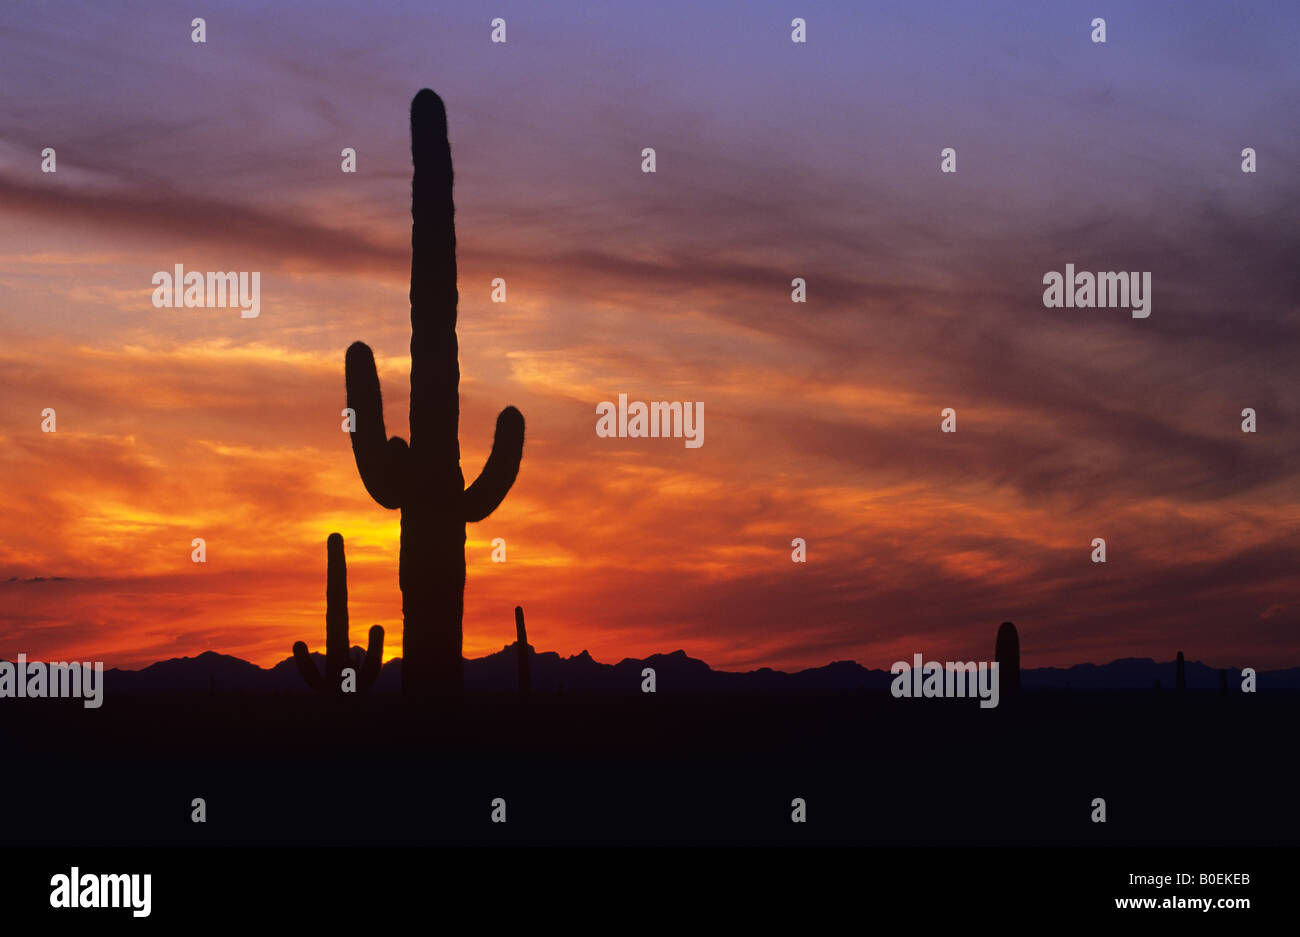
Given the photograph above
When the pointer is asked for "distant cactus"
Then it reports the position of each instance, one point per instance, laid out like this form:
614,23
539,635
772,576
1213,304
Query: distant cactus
424,478
525,669
1180,679
1007,655
337,649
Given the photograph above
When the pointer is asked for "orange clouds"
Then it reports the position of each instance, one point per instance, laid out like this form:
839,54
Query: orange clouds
624,547
823,417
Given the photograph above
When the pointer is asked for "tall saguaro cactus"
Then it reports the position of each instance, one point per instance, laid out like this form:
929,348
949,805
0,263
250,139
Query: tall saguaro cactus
423,478
337,648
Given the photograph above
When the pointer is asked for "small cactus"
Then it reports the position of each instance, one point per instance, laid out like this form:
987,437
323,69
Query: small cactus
336,632
525,671
1007,655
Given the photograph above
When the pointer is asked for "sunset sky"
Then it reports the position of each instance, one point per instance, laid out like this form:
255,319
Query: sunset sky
822,421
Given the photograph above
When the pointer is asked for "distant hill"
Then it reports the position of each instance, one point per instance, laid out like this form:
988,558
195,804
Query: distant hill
551,673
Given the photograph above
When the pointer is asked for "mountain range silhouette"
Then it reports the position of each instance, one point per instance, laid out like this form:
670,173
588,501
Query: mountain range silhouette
581,673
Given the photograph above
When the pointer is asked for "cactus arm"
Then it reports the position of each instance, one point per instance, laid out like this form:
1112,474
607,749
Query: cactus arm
381,462
501,469
310,675
374,658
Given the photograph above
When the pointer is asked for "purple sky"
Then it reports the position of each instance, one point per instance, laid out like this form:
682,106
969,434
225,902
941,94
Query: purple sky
775,160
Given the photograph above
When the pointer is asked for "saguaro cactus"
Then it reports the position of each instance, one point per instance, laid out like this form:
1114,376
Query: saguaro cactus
424,479
1007,654
525,669
337,648
1180,678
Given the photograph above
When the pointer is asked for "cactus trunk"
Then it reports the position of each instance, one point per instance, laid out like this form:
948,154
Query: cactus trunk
1007,655
336,609
525,669
424,479
431,574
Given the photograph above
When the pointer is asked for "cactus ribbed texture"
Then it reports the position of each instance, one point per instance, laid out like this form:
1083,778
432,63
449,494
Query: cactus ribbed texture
424,479
337,648
1007,654
525,669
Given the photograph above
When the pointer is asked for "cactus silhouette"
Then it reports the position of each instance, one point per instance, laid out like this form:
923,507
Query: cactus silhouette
337,649
1180,679
1007,654
525,670
424,479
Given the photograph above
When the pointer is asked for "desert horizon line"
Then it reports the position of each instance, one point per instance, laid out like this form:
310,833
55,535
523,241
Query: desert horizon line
584,652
